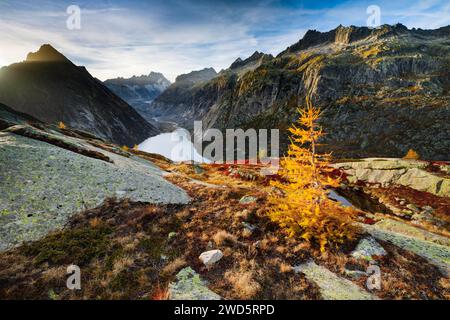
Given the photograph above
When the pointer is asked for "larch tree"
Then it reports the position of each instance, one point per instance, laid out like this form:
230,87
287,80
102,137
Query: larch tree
300,204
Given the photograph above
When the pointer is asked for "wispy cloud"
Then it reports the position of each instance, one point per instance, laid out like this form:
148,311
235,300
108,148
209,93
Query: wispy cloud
121,38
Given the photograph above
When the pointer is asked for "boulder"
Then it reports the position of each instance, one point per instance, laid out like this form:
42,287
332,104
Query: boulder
247,199
367,248
211,257
332,286
386,171
59,183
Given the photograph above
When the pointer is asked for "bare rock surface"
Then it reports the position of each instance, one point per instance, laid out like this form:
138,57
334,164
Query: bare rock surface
430,246
367,248
189,286
43,185
409,173
333,287
211,257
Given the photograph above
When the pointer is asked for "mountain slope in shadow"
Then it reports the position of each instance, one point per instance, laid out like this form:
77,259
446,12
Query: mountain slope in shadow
49,87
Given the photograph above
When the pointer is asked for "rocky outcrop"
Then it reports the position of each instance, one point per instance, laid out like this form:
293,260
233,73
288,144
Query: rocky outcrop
332,287
383,91
189,286
409,173
50,88
173,104
47,176
368,248
428,245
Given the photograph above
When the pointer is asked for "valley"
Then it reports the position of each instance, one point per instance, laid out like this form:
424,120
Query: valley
353,205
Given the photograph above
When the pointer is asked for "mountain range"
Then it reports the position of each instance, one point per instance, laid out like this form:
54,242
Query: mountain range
139,91
382,91
50,88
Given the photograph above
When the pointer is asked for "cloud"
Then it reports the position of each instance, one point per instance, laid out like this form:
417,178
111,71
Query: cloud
126,38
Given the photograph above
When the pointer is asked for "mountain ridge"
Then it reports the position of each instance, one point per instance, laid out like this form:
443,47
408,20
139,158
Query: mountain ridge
49,87
139,91
372,84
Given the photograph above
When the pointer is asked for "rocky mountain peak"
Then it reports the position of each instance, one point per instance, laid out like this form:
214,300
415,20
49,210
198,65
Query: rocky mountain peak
39,87
344,35
153,78
158,77
197,76
254,57
46,53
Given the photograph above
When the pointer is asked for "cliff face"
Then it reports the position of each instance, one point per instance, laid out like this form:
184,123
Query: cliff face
50,88
382,91
139,91
184,100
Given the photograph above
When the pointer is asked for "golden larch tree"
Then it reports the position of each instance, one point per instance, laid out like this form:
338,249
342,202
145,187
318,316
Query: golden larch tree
300,203
411,155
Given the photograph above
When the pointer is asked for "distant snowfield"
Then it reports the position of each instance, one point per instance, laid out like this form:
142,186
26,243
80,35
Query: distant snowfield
176,145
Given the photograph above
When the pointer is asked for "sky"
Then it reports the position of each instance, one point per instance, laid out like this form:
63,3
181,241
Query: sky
125,38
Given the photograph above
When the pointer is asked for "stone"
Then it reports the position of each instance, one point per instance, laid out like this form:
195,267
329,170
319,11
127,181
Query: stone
210,257
387,171
249,226
332,287
367,248
355,274
171,235
66,182
189,286
433,247
247,199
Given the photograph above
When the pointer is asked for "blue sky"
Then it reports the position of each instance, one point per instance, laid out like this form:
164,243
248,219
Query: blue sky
124,38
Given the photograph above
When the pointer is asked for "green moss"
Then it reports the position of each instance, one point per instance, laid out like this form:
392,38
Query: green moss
52,295
125,281
73,246
154,247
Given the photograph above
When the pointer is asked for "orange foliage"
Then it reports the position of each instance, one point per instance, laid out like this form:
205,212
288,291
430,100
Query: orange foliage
61,125
302,207
159,293
411,155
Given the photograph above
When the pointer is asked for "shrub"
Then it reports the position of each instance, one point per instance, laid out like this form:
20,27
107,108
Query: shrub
61,125
302,207
411,155
222,237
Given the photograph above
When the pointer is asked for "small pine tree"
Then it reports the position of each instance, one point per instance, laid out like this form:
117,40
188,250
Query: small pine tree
302,207
411,155
61,125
